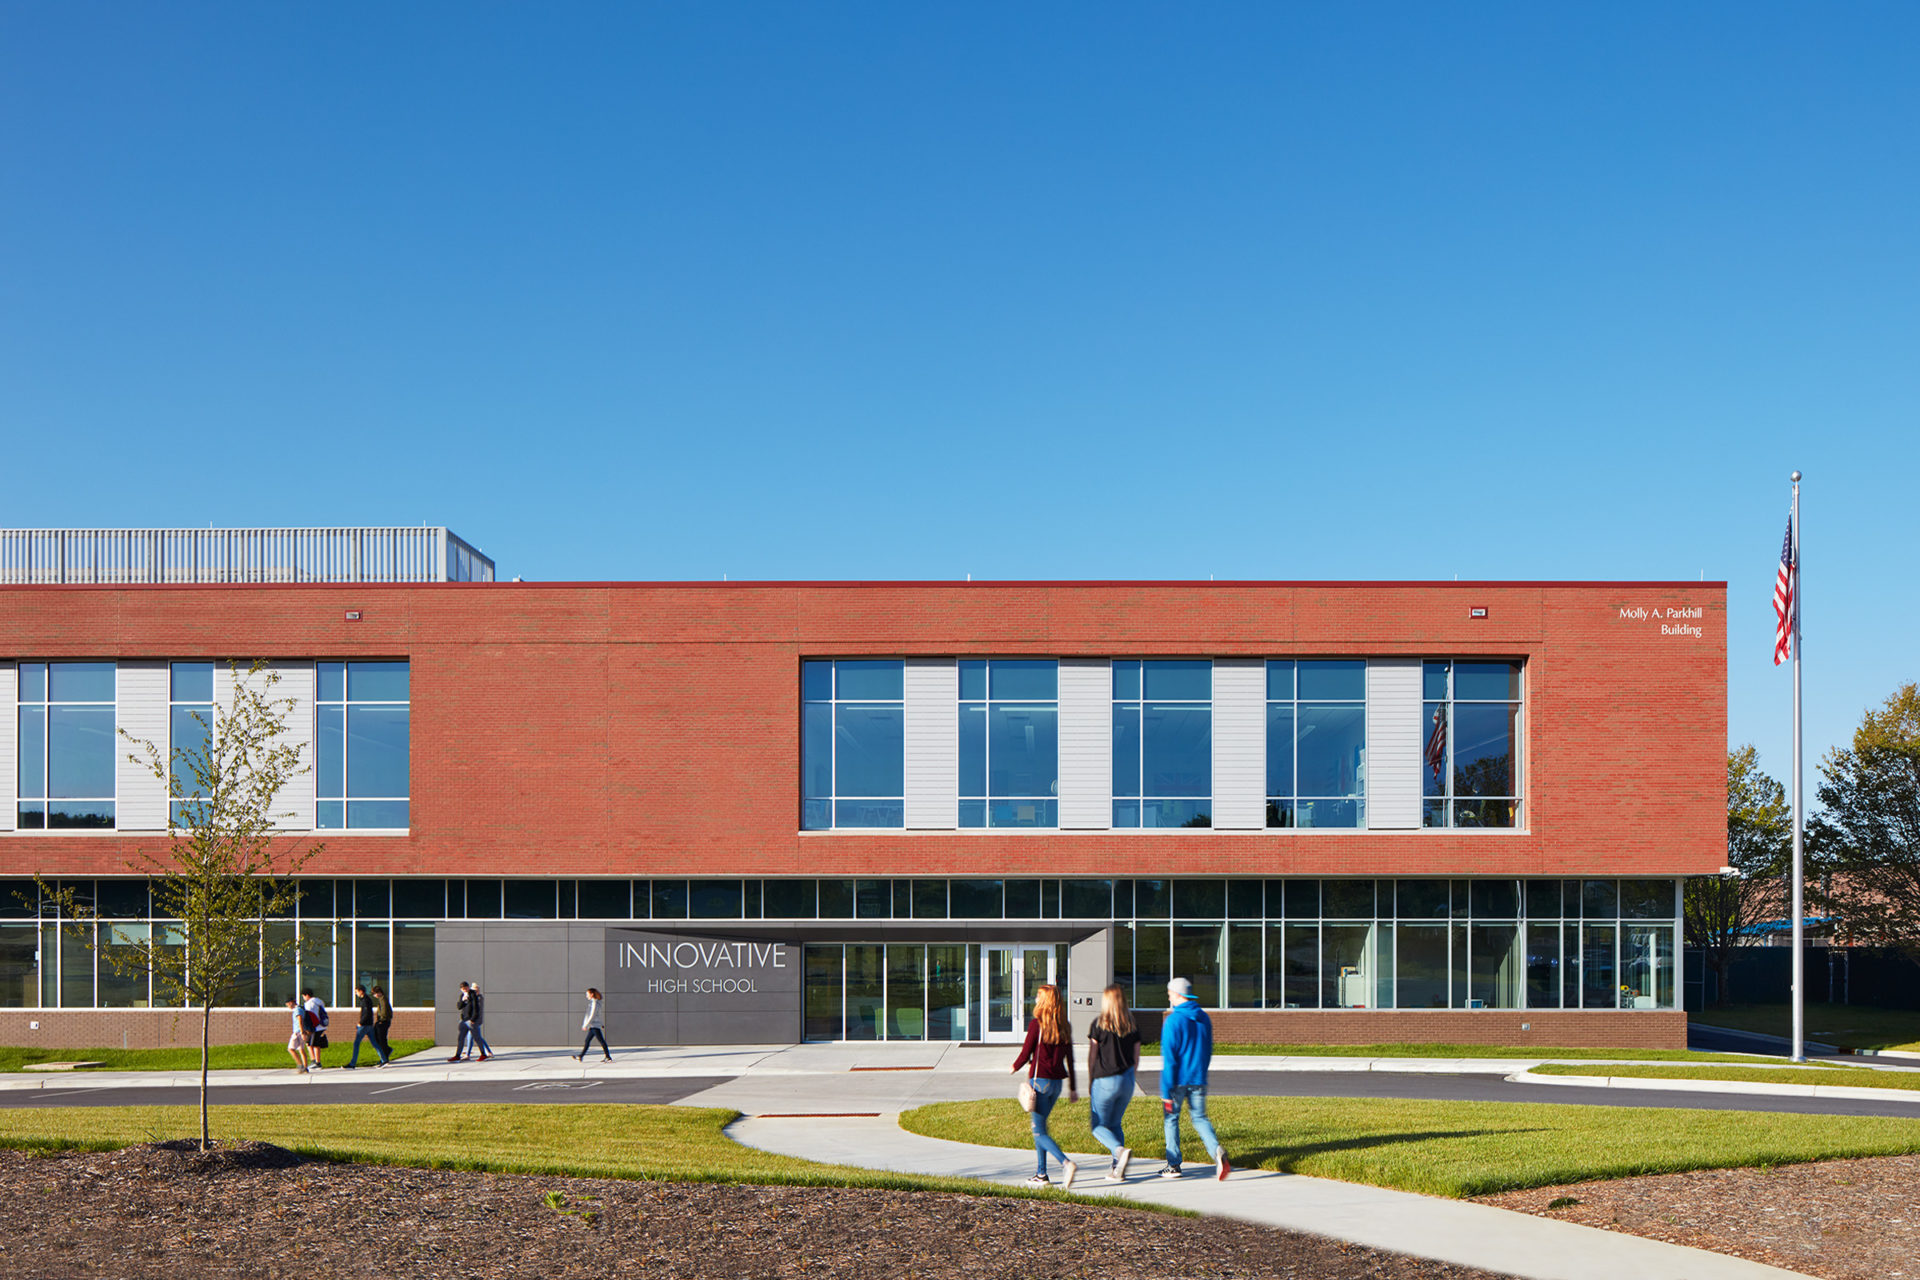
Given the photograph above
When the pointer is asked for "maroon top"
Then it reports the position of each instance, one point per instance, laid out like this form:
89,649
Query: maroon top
1050,1061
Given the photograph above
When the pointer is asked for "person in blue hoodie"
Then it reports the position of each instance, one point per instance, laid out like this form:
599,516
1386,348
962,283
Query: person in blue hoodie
1186,1051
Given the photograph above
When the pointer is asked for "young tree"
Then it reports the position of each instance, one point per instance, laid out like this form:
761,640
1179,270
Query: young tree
1719,910
225,864
1868,833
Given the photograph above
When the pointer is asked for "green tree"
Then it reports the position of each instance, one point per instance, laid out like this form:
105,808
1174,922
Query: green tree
1720,910
226,863
1868,832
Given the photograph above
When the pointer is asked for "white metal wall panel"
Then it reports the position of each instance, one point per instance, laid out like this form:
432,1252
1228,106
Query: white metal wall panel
1086,744
9,744
933,744
297,797
1395,744
1239,744
141,694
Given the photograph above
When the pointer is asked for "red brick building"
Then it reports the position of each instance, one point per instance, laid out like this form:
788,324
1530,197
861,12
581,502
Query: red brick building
1347,811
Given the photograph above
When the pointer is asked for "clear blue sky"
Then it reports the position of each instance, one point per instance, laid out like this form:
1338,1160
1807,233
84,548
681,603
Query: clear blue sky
883,291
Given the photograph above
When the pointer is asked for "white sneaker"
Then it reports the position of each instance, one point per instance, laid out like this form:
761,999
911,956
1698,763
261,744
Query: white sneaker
1039,1180
1121,1160
1072,1172
1170,1173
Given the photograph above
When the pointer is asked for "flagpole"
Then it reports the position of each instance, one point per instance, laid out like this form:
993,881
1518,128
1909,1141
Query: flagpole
1799,878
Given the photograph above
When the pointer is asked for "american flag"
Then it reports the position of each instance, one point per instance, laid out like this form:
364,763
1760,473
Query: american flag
1784,586
1437,744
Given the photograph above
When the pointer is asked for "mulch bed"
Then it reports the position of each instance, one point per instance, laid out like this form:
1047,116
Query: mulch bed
1841,1219
258,1211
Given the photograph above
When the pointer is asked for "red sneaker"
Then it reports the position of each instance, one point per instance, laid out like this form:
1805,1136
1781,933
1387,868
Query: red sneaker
1225,1167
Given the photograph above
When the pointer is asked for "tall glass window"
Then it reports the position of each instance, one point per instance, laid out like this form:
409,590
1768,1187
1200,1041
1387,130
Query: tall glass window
189,730
363,712
1317,743
1472,773
1162,743
853,752
1009,743
66,744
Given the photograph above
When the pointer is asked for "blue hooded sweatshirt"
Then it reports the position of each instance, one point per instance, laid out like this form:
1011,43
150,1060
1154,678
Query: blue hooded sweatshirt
1186,1046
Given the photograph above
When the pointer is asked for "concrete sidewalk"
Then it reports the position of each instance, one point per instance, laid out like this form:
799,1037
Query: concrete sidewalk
891,1076
1455,1231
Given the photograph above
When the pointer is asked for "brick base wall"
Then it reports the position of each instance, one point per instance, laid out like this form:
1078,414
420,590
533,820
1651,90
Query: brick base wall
1599,1029
178,1028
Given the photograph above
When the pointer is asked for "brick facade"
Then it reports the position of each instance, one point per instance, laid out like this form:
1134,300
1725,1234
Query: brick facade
654,730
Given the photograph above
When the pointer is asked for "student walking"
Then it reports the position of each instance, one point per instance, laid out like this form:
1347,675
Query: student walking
1186,1052
1113,1055
297,1042
382,1024
1048,1057
316,1024
365,1031
468,1007
594,1025
478,1014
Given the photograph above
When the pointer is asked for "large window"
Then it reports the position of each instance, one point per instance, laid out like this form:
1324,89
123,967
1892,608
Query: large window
67,748
189,726
1317,743
1009,743
853,760
1162,743
1472,770
364,736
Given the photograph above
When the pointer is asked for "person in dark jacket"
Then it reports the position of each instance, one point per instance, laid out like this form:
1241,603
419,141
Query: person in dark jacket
1113,1054
382,1024
1186,1052
478,1014
1049,1048
365,1030
463,1040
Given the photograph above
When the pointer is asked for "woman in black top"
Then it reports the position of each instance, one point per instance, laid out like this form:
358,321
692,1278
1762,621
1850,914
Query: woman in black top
1113,1055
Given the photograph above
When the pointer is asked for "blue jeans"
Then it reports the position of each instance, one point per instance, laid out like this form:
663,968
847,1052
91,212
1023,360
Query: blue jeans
1045,1094
1195,1096
1108,1097
470,1039
595,1033
369,1034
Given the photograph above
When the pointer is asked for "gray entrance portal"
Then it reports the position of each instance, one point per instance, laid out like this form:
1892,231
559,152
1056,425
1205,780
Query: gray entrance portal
698,985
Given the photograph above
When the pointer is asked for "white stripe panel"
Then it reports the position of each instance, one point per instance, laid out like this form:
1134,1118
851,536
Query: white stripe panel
141,692
9,744
1394,744
1239,744
1086,744
933,744
296,799
293,808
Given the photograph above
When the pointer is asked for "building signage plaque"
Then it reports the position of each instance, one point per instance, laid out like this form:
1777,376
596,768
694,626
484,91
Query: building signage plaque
678,988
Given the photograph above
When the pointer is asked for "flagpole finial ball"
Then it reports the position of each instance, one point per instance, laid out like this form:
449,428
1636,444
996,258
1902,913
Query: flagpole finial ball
1796,477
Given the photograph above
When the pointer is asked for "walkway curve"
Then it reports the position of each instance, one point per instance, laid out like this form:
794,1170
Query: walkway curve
1455,1231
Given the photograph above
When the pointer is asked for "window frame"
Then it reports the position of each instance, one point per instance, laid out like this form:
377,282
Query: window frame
45,703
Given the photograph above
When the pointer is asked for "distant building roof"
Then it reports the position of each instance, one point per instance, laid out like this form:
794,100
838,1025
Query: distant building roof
132,557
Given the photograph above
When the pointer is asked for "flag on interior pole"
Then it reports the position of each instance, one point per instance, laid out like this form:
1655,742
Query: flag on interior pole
1437,744
1783,593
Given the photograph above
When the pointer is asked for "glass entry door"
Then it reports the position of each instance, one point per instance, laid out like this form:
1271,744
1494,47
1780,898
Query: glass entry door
1012,973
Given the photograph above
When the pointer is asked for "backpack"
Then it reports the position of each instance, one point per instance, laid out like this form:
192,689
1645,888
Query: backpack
320,1017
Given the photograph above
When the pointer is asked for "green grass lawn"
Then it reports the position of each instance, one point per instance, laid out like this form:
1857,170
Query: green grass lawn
1464,1051
220,1057
681,1144
1452,1148
1850,1026
1812,1073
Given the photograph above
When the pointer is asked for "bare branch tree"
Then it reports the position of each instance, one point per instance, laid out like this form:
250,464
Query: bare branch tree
226,864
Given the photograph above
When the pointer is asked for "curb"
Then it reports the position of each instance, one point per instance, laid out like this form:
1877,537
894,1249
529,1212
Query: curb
1855,1093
